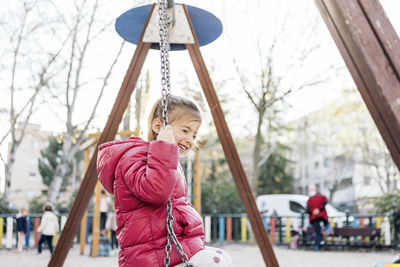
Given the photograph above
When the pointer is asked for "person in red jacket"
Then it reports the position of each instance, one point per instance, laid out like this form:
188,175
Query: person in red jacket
143,176
317,214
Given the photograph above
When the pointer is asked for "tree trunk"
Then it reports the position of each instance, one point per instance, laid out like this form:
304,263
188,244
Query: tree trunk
8,171
256,168
68,151
55,185
256,153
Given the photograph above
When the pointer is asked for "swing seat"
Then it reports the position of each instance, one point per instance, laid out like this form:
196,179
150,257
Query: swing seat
131,23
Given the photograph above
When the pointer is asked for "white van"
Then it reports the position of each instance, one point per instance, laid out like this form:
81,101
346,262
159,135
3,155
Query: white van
292,205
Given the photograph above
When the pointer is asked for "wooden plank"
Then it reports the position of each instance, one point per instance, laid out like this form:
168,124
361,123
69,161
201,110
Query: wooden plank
384,31
369,47
231,154
89,181
197,182
96,220
354,71
82,241
350,231
82,236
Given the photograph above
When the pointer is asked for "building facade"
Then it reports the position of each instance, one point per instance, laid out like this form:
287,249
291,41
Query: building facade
339,149
26,182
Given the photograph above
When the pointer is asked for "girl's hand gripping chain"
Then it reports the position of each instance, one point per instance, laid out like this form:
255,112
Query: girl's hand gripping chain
166,134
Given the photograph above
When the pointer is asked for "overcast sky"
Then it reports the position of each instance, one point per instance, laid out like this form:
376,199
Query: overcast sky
239,20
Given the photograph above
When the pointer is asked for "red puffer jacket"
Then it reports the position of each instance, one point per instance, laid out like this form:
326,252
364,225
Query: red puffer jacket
317,201
143,176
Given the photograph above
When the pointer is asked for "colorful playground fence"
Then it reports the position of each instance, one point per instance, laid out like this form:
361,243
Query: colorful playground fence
218,228
235,227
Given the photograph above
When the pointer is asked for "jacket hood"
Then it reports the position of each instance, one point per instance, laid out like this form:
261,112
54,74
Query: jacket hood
108,157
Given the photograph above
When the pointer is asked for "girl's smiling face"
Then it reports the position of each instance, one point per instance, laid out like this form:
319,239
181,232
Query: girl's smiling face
185,133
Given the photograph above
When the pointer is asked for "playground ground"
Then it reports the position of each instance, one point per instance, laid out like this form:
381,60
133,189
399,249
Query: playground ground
243,256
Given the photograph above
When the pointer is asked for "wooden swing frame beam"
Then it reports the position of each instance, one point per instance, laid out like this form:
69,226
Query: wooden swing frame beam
110,130
373,58
370,48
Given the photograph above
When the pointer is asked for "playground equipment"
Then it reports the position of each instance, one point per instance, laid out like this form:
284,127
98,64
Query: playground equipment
371,50
197,21
228,228
87,146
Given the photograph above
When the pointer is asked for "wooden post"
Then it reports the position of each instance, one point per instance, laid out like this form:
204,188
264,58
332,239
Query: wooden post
96,220
272,227
287,230
82,239
228,229
221,230
207,228
89,181
232,156
28,232
197,182
9,232
110,131
82,234
370,48
243,229
36,232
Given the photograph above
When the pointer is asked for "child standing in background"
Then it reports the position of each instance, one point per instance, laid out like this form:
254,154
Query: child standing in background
111,225
105,202
144,176
48,228
21,228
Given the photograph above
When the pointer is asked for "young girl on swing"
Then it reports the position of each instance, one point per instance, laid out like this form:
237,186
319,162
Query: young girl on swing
143,176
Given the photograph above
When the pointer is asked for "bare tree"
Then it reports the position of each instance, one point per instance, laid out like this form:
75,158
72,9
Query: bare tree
86,29
27,79
376,157
141,100
142,92
277,75
359,142
348,138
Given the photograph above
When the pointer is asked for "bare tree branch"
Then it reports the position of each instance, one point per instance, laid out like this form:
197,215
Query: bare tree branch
105,81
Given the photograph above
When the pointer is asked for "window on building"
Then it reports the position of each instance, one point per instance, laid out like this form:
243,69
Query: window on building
326,162
31,193
35,144
346,182
32,176
367,180
316,165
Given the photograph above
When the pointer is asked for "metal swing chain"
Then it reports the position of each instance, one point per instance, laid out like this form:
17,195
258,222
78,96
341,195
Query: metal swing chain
165,82
164,56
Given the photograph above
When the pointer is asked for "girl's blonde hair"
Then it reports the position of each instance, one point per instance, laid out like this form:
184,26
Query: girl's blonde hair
178,108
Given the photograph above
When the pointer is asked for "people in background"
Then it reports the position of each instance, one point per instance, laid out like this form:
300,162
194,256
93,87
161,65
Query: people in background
21,228
317,214
111,225
105,202
48,228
